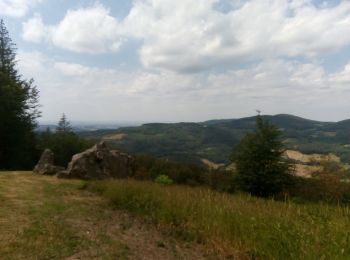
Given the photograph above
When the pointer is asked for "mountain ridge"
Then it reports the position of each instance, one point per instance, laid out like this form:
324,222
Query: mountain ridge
215,139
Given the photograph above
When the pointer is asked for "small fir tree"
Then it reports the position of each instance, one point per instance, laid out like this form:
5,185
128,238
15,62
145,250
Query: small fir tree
261,168
63,125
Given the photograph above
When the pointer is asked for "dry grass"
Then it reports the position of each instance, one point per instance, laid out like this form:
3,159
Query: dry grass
46,218
237,225
306,158
115,137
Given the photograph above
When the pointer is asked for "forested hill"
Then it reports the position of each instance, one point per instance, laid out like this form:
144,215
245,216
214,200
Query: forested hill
215,139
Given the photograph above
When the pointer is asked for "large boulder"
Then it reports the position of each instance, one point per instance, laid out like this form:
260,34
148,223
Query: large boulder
46,165
99,162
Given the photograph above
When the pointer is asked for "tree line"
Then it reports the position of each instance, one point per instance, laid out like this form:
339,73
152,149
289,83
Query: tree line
20,144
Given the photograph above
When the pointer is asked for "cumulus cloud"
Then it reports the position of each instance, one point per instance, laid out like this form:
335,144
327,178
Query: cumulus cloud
192,35
87,30
34,29
16,8
91,30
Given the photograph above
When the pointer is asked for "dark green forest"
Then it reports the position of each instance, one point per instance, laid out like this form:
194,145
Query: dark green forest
19,110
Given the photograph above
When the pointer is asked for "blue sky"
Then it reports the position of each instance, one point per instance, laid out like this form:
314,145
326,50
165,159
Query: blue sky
164,60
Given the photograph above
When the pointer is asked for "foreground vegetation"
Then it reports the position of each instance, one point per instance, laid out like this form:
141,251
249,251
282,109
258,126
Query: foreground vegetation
238,225
47,218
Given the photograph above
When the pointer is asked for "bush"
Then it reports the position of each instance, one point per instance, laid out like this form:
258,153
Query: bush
149,168
163,179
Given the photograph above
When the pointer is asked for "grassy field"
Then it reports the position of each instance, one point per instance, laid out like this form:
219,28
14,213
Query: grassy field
236,225
47,218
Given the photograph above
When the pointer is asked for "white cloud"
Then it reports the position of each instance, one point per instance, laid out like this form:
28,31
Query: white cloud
271,79
91,30
87,30
72,69
274,86
192,35
342,77
34,29
16,8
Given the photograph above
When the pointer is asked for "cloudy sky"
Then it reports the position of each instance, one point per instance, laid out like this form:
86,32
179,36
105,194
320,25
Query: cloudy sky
183,60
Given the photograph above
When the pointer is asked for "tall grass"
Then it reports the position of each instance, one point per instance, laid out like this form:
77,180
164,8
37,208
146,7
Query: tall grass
238,224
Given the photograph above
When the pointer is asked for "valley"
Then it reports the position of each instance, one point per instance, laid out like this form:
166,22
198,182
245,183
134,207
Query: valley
215,140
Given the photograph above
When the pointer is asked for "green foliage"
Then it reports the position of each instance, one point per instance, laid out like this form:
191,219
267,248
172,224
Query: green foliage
149,168
261,169
18,110
252,227
63,142
163,179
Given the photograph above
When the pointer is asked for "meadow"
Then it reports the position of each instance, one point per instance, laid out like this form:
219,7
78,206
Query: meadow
238,225
42,217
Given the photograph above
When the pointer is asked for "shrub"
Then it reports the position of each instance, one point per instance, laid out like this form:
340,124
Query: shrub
163,179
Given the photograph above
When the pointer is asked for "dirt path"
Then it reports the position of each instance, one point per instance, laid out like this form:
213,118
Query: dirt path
45,218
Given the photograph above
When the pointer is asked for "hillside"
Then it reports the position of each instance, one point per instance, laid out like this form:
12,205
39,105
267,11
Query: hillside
214,140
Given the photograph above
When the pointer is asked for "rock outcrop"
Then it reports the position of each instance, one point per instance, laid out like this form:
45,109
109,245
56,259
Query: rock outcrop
99,162
46,165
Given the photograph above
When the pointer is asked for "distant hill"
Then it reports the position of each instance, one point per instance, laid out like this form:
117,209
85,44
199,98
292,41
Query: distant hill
214,140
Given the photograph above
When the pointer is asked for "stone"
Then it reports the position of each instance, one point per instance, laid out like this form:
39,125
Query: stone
46,165
99,162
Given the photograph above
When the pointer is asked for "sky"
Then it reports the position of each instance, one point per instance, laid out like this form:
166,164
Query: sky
169,61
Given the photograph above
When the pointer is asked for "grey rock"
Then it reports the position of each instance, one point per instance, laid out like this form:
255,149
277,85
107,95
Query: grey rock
46,165
99,162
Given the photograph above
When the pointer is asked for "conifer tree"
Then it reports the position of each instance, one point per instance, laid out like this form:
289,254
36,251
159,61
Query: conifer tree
63,125
18,109
63,142
261,168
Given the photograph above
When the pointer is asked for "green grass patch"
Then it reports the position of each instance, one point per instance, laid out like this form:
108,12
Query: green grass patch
255,227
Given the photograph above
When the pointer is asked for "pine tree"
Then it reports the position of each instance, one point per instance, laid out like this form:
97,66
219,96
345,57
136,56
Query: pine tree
63,142
18,109
63,125
261,167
